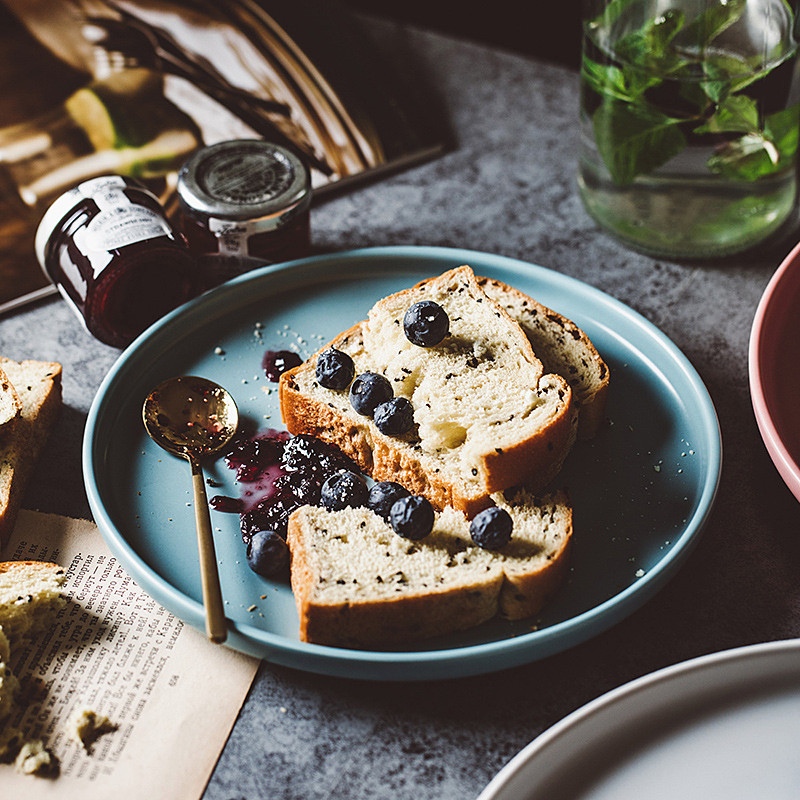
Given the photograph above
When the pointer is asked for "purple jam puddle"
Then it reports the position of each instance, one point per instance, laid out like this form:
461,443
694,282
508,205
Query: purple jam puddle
276,362
277,473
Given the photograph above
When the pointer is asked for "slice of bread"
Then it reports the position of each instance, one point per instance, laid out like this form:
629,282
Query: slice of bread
359,584
487,416
563,348
10,405
38,384
30,596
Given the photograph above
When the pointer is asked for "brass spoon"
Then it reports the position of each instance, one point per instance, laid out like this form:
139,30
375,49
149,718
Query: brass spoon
194,418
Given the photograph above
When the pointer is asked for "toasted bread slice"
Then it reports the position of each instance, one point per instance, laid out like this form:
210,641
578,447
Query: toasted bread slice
487,416
359,584
38,384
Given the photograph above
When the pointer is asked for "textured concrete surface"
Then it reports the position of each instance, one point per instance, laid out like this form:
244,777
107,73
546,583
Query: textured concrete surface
507,187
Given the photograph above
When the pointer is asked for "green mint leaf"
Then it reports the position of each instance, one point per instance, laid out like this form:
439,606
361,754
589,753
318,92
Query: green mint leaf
634,140
649,48
738,114
746,159
709,24
608,81
783,127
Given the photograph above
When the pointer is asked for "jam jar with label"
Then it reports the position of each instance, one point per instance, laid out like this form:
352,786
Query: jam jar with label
244,203
108,247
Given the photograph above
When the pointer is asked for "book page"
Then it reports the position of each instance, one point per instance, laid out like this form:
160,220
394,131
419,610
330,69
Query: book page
172,695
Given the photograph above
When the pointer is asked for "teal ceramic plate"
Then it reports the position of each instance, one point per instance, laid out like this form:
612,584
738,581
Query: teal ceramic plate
641,490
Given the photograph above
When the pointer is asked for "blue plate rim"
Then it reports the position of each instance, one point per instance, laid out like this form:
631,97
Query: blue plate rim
391,665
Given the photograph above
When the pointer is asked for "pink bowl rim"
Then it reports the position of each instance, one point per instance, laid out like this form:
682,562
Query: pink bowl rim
785,463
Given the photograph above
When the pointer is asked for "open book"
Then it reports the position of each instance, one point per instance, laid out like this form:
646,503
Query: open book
145,82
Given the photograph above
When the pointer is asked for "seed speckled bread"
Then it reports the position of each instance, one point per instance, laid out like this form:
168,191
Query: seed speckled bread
358,584
10,405
487,416
38,384
563,348
30,597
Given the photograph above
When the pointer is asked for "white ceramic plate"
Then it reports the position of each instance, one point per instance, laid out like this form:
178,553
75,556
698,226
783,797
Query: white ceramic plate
720,727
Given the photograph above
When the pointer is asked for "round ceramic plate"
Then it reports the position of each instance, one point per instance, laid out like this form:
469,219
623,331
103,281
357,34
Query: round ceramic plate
719,727
774,375
641,490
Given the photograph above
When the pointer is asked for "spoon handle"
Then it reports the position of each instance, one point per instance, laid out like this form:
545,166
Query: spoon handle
216,628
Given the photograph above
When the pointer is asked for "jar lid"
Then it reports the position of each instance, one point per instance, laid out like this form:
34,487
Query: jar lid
244,179
104,190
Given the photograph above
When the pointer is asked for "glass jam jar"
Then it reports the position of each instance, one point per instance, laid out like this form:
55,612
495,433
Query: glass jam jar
108,247
244,203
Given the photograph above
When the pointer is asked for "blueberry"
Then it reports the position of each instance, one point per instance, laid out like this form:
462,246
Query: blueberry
305,453
491,529
276,362
426,323
368,391
271,514
412,517
344,489
267,554
335,369
395,417
383,495
305,486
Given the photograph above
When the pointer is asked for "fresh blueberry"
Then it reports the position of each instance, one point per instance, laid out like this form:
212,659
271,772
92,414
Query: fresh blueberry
491,529
368,391
426,323
412,517
335,369
267,554
271,514
276,362
304,453
383,495
344,489
305,486
395,417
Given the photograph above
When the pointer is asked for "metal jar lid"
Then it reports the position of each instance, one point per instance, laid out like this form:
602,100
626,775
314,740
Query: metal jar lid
244,179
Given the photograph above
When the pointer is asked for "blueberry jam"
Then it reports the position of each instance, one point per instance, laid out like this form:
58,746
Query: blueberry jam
276,362
277,473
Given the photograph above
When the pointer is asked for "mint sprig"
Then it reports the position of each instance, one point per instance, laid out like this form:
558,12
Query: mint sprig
670,83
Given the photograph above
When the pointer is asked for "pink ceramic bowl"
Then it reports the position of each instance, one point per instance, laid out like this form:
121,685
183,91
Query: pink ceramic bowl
774,365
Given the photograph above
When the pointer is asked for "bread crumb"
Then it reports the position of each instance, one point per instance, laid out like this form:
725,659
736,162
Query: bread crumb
35,759
252,608
640,573
86,726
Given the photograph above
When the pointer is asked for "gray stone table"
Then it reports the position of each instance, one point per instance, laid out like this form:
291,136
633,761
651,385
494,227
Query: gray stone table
508,187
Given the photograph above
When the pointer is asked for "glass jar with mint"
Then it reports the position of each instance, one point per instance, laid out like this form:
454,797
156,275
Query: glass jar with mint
689,122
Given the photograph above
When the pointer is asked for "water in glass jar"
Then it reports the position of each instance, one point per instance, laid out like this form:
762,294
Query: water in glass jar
689,123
